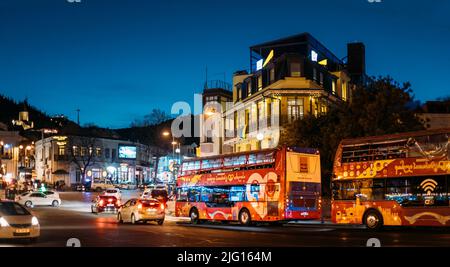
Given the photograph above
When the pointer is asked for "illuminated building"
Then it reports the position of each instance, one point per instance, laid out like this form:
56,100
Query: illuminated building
61,158
289,79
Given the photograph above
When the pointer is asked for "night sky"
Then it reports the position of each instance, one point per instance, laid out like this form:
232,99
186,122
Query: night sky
118,59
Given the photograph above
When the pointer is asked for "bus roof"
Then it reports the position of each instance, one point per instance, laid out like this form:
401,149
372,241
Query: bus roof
389,138
267,150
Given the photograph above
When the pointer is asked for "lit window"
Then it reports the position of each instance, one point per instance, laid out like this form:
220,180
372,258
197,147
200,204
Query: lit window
344,90
333,87
260,83
295,69
272,75
249,88
295,108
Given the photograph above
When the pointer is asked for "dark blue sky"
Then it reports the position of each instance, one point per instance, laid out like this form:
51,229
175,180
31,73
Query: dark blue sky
118,59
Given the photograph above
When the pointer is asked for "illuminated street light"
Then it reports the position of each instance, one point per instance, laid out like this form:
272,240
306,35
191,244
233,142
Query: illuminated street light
20,147
166,133
28,148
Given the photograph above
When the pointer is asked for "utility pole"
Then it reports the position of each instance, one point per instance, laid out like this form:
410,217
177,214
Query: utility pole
78,116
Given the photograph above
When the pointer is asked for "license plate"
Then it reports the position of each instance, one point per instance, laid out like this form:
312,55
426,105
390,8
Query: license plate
22,231
110,205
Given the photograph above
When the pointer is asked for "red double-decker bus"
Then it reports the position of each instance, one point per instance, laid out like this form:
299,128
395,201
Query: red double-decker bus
401,179
274,185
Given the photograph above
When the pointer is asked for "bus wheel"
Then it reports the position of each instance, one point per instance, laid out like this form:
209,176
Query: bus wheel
244,217
373,220
194,216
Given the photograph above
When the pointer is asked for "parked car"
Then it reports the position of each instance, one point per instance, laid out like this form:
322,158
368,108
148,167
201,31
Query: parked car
16,222
107,204
141,210
31,199
79,187
101,185
114,192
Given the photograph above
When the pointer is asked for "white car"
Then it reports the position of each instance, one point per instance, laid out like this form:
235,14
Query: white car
113,192
128,186
17,222
140,210
99,185
31,199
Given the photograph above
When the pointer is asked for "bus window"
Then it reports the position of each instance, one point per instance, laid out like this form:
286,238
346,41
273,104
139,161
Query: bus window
215,163
252,159
206,164
197,165
193,194
241,160
228,162
182,194
206,194
237,193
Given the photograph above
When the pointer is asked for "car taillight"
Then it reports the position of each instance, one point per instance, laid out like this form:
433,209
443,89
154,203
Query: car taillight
101,202
140,206
118,202
162,206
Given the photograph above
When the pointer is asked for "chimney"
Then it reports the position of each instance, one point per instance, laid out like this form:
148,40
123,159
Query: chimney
356,63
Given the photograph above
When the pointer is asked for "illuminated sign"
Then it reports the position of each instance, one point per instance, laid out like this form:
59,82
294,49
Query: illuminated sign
127,152
314,55
268,59
259,64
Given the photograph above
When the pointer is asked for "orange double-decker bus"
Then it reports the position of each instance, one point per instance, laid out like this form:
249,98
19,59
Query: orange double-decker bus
394,180
274,185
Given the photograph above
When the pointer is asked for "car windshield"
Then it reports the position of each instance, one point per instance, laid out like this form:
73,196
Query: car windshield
159,193
12,209
111,191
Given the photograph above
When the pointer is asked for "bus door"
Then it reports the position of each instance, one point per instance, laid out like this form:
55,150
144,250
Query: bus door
303,185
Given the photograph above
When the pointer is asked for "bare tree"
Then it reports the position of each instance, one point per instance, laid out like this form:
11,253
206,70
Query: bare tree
83,153
155,117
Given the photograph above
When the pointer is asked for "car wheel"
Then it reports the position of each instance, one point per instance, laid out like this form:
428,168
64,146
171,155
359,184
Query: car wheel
119,218
93,210
160,222
133,219
28,204
373,220
194,216
244,217
55,203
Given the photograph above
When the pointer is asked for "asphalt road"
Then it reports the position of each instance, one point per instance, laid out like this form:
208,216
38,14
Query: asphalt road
74,220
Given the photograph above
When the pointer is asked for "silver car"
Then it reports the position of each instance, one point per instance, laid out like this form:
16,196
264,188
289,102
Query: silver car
16,222
142,210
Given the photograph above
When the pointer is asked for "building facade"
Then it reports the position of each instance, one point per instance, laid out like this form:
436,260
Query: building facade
288,79
16,157
63,158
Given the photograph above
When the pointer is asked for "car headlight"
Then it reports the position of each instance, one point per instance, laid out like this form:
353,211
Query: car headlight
34,221
3,222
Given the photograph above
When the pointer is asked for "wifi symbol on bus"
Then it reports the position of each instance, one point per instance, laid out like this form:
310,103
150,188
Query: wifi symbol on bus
428,185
